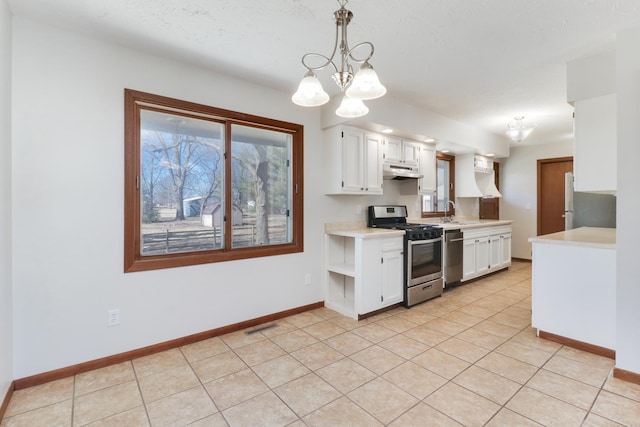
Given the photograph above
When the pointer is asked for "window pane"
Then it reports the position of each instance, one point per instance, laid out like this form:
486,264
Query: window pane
181,183
260,186
443,185
438,201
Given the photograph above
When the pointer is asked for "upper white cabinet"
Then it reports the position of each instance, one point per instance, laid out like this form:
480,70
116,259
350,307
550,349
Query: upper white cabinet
353,161
595,141
397,150
427,168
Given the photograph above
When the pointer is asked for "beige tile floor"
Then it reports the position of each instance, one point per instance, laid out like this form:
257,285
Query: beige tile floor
469,358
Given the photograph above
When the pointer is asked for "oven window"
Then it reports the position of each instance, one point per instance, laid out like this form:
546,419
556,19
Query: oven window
426,259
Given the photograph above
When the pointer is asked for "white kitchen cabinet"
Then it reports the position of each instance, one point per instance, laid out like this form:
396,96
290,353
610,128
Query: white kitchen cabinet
485,250
385,289
495,252
468,259
427,167
568,299
483,255
505,256
595,136
364,273
397,150
499,249
353,161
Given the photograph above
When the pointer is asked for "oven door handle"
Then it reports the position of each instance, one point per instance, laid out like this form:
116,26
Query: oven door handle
422,242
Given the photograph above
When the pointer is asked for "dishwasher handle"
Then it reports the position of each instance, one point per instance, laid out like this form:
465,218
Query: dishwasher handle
455,240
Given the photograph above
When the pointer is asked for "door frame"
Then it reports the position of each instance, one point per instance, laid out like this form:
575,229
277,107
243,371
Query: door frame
539,186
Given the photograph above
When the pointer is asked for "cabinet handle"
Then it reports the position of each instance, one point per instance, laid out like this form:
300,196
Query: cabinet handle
381,298
381,260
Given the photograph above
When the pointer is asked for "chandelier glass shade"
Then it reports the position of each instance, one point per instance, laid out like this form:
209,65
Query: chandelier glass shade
310,92
362,85
518,131
351,107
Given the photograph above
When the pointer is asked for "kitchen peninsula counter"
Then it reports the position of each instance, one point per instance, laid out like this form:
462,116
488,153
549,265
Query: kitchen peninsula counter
574,288
593,237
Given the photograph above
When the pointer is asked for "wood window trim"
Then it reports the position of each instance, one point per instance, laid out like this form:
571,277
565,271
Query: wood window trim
133,261
452,180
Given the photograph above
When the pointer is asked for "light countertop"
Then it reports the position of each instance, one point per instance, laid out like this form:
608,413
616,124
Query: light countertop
462,224
594,237
360,229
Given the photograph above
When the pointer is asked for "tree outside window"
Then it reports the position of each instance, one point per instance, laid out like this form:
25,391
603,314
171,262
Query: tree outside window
207,185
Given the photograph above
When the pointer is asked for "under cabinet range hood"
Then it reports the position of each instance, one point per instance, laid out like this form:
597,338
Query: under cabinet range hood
398,171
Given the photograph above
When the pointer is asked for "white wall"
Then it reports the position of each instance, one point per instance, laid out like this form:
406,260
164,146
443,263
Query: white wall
68,97
628,199
6,313
518,185
68,180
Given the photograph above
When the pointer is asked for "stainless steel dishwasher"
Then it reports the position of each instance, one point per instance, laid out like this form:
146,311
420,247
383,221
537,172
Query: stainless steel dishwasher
452,257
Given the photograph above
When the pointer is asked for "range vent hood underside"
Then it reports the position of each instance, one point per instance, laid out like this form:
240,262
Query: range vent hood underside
399,172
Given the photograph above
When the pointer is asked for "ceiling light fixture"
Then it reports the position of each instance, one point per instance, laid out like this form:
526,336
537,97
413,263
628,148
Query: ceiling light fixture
518,131
356,87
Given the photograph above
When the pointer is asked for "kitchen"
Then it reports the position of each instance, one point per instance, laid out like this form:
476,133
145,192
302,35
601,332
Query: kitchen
64,301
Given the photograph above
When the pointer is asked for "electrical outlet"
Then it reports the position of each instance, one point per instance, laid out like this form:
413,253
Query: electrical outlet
113,317
307,279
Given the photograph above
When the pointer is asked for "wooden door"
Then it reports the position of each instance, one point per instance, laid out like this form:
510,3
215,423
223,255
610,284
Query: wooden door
551,193
490,207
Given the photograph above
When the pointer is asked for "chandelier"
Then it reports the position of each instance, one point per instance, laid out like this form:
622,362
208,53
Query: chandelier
356,88
518,131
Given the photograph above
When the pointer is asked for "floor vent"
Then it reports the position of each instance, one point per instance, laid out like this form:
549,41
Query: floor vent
261,328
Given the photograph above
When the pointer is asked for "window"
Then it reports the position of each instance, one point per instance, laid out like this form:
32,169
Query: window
436,204
205,185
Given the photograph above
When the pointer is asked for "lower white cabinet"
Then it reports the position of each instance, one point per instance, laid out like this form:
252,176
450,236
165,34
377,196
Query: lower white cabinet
485,250
363,274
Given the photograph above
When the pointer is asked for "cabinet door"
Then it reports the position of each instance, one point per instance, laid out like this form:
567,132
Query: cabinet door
482,255
495,251
427,167
468,259
352,160
392,149
392,272
506,250
372,163
410,153
595,135
368,275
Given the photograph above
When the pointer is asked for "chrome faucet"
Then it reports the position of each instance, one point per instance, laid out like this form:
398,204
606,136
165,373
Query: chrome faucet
448,218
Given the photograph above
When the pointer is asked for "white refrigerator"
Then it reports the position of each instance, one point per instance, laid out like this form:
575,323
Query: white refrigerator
587,209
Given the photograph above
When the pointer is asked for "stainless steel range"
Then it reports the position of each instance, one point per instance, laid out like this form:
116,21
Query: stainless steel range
422,252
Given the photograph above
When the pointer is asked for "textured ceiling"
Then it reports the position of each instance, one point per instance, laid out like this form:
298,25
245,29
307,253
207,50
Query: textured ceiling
478,61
